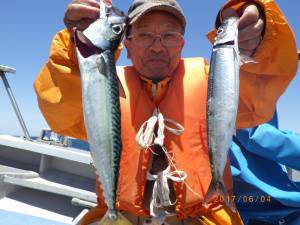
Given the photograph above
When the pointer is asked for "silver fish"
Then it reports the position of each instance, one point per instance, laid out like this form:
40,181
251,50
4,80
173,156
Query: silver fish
100,95
222,104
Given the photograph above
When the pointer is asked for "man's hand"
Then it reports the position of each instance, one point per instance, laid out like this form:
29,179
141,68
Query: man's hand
251,26
81,13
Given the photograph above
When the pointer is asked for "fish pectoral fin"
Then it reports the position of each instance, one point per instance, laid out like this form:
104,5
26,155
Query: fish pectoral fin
101,65
121,220
121,89
217,192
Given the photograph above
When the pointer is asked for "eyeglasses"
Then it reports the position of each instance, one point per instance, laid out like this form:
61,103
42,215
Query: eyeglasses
146,39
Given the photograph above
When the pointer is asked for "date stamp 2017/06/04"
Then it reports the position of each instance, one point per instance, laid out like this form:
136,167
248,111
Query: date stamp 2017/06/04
260,199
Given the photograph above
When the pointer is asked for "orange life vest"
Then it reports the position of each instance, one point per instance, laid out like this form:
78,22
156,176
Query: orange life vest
185,103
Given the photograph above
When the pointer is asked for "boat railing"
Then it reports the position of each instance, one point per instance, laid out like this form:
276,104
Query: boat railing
3,71
49,137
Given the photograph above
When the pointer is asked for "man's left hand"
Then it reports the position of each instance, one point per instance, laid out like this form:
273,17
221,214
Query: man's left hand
251,26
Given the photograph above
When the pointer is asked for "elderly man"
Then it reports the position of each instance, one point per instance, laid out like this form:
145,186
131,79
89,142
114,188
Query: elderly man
160,80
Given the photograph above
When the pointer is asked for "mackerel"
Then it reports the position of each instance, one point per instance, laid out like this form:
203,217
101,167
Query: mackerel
95,49
222,105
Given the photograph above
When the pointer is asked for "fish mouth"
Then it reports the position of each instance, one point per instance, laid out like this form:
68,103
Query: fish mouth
224,43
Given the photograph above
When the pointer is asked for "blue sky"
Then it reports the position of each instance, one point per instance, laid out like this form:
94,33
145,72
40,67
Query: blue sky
27,27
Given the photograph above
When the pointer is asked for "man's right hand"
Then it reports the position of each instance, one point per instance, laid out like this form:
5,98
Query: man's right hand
81,13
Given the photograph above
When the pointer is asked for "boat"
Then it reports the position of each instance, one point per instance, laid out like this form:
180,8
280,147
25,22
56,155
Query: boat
44,180
47,180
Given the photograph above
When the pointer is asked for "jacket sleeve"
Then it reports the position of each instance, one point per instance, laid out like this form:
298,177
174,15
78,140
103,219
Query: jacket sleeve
58,88
269,142
263,82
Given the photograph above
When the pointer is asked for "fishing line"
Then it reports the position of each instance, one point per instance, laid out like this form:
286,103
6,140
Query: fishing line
146,139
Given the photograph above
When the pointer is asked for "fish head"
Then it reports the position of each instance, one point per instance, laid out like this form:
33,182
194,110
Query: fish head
111,30
227,33
103,34
227,36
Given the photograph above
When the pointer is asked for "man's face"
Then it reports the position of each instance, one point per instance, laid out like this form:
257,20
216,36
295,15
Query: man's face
160,58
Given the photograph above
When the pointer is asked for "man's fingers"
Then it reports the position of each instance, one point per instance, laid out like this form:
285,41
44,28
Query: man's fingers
108,2
77,12
249,16
80,11
251,25
92,3
228,12
251,31
250,44
246,52
83,24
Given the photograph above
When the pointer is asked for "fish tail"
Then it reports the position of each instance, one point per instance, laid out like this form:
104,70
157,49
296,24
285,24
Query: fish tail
218,192
112,218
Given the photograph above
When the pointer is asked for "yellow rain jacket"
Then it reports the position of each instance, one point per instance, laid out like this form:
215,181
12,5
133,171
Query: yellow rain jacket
58,90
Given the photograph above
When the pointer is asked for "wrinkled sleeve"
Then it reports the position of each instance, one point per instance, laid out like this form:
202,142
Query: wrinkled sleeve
272,143
58,88
263,82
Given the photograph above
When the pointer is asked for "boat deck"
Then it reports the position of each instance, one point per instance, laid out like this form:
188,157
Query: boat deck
32,208
44,184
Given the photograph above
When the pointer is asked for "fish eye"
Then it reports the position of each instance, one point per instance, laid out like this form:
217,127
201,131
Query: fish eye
220,30
117,29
